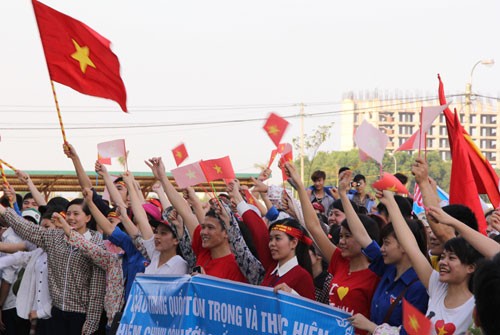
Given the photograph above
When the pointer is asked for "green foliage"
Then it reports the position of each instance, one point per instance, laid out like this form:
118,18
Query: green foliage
331,162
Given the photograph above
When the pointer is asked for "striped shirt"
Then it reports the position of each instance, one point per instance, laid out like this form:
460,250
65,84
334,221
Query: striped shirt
75,284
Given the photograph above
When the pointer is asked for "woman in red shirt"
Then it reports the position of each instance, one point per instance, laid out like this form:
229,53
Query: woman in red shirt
289,244
353,284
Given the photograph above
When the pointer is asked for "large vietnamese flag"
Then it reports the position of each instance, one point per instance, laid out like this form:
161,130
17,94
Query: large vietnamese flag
483,173
79,57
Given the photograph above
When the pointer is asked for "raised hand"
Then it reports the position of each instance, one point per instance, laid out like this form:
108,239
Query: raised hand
292,173
156,166
87,195
420,170
345,181
22,176
100,168
69,151
264,174
259,186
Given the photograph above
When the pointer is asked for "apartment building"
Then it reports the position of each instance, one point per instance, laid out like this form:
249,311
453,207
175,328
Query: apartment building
397,115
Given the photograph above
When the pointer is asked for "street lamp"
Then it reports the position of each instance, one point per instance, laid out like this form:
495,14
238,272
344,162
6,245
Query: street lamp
468,87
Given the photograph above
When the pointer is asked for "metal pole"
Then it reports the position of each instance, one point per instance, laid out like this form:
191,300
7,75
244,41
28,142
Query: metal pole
302,141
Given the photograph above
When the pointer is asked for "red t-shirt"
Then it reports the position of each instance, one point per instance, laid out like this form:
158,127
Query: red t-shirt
222,267
351,291
297,278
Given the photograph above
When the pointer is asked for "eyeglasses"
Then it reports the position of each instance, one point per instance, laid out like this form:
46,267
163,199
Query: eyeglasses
355,184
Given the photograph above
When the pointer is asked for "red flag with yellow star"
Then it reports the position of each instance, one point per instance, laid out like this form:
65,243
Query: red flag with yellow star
79,57
219,168
414,322
275,127
485,177
249,197
390,183
180,153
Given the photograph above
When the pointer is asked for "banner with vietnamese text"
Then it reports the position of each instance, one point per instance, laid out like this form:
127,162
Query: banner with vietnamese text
205,305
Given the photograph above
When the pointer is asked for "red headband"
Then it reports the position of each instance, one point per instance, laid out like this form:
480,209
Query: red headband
294,232
113,214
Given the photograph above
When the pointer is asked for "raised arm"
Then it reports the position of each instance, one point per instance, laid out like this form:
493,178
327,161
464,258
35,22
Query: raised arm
25,178
129,226
175,198
102,221
195,202
158,189
312,222
115,195
71,153
405,237
140,217
485,245
430,198
355,226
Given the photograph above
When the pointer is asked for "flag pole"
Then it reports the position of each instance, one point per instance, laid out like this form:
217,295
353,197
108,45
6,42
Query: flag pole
4,177
58,112
420,137
8,165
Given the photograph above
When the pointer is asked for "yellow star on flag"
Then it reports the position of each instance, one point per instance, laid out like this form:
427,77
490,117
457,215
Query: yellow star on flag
178,154
217,169
393,188
414,323
82,56
273,130
191,174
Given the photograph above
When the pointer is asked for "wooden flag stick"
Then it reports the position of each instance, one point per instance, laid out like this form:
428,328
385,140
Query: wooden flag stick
58,112
4,177
420,137
8,165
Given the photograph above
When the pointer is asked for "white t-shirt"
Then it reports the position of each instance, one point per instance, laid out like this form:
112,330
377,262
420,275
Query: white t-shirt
175,265
454,321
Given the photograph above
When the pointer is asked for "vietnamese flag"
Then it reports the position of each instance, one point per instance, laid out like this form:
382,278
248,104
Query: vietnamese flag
189,175
275,127
485,177
273,156
110,149
414,321
286,156
463,187
249,197
220,168
180,153
390,183
79,57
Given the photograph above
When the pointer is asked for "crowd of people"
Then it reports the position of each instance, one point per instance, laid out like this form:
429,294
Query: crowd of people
67,267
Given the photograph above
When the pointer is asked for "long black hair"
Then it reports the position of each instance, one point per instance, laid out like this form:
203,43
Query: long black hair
302,250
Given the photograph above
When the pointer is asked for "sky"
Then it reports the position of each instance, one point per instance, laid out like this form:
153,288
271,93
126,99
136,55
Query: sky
190,66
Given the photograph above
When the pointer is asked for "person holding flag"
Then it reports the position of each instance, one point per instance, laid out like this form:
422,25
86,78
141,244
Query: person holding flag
353,284
450,298
390,262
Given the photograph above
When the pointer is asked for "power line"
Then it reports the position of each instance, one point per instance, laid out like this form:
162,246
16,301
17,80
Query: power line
77,126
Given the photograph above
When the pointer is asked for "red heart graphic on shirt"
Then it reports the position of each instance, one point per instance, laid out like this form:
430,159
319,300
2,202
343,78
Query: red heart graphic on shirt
444,328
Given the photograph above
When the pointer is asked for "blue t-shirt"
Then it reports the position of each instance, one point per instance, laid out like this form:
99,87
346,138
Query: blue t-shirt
133,261
389,290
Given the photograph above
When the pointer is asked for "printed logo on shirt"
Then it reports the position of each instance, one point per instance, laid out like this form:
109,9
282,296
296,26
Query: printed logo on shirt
342,292
444,328
392,298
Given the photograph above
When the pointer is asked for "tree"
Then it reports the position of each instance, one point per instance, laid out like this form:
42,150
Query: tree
312,144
